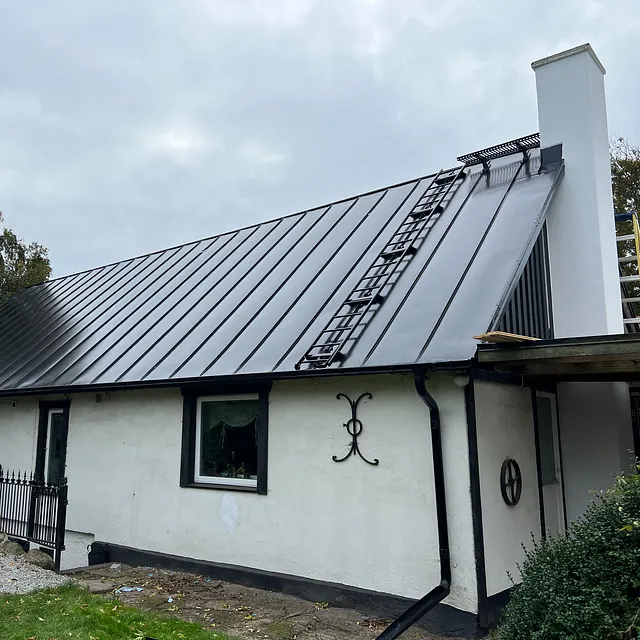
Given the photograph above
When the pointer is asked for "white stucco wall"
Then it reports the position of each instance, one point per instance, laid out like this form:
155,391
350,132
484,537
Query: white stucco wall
504,419
18,429
596,438
350,523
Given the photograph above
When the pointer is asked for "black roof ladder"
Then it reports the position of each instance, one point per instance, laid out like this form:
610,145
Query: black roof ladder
367,296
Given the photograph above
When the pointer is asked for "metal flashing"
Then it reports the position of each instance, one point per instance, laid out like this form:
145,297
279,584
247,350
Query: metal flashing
583,48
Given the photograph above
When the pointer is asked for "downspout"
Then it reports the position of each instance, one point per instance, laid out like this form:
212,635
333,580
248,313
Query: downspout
439,593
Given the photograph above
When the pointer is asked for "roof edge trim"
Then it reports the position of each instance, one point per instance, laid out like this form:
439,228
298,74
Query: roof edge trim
236,379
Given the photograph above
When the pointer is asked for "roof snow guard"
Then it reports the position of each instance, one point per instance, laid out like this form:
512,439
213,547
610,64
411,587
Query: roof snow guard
484,157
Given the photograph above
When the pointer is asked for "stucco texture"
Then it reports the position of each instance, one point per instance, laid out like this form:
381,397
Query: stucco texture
349,523
504,418
18,428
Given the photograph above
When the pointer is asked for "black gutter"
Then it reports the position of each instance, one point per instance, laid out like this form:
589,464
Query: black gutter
237,378
439,593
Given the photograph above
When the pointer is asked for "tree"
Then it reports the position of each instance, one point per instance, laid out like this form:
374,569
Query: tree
625,176
625,182
21,265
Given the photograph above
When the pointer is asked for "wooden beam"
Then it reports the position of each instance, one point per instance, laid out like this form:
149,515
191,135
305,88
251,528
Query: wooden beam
590,369
625,349
501,337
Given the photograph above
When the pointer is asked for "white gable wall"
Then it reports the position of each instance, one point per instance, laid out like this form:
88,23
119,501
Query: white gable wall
349,523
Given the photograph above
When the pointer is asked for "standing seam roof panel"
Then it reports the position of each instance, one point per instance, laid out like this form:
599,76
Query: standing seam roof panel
134,320
183,328
118,297
395,203
48,330
103,331
191,294
260,303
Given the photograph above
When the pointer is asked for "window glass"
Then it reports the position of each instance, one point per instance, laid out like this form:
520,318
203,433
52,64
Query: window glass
545,440
227,440
54,453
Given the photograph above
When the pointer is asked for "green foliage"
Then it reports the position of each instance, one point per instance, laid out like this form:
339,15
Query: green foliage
625,182
21,265
625,176
583,585
71,613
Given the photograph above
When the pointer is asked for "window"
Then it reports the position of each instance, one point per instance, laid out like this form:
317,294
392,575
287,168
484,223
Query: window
53,428
546,440
56,430
225,441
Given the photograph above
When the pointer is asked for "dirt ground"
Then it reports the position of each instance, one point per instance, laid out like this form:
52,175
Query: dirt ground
239,611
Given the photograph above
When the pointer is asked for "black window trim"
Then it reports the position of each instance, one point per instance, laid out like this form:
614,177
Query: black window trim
44,407
190,395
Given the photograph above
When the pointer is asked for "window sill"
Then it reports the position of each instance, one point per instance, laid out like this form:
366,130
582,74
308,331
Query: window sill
220,487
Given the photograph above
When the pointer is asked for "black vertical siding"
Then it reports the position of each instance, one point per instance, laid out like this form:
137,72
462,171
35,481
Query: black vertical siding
528,310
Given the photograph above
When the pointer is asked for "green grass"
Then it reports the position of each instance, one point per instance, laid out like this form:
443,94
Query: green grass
71,613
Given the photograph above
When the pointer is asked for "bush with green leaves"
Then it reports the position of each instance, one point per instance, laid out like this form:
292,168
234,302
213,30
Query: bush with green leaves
584,585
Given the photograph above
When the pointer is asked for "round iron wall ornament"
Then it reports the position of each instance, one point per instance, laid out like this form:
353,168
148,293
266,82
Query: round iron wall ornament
511,482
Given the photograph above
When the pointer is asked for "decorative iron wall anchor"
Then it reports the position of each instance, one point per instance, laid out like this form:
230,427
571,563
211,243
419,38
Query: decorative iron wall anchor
511,482
354,428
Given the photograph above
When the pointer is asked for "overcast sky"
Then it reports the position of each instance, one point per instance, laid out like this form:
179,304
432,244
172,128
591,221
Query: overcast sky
132,125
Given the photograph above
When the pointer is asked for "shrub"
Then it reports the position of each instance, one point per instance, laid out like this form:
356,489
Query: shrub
585,584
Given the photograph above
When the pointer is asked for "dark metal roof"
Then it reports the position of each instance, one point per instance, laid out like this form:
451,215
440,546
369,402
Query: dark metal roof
252,301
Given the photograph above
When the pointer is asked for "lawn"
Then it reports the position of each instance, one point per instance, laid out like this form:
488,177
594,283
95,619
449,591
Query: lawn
72,613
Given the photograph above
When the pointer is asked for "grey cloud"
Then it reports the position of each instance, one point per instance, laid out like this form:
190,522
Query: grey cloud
126,127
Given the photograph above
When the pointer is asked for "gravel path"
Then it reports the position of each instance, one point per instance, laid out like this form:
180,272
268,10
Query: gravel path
18,576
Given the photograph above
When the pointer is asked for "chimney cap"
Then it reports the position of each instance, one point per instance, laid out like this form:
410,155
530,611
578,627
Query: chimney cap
583,48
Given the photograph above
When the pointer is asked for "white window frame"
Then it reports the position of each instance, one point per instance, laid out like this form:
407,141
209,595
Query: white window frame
48,443
197,476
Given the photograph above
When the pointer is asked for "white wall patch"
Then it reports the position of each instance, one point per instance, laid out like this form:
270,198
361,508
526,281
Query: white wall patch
229,512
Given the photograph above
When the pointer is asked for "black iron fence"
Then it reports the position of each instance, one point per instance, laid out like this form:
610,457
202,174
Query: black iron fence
32,510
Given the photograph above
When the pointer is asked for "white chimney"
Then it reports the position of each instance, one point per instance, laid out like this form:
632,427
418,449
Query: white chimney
583,259
594,417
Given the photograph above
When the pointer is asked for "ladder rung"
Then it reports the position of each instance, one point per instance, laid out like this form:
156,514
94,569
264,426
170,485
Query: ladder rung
375,299
323,345
403,237
628,259
397,253
334,330
422,213
450,178
631,320
625,238
630,300
377,275
322,357
393,244
630,278
370,288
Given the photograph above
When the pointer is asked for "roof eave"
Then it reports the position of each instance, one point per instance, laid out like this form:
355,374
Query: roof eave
235,379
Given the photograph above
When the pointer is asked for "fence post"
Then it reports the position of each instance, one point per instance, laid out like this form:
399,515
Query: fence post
31,520
61,521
